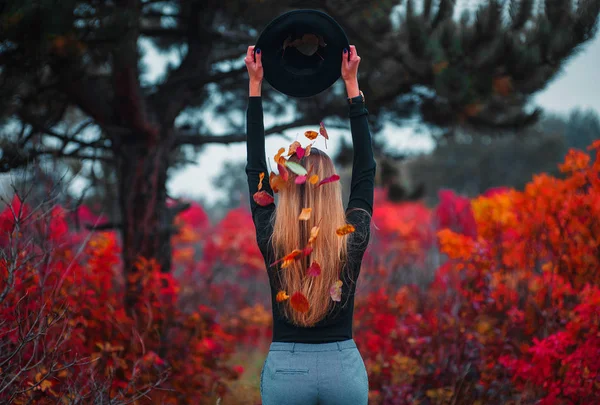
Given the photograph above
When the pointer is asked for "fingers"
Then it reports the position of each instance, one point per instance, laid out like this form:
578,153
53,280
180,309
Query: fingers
258,57
353,54
345,58
250,53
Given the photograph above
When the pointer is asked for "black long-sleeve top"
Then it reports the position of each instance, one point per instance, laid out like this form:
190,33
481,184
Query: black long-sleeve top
336,326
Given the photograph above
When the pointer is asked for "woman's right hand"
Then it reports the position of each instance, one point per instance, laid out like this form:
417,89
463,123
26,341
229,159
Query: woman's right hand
255,70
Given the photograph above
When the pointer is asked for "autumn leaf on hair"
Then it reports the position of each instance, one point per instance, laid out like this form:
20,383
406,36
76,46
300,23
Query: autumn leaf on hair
281,296
345,230
263,198
276,182
313,179
293,148
305,214
314,269
307,150
300,152
299,302
278,158
336,291
283,173
300,179
289,258
296,168
314,232
308,249
261,177
312,135
329,179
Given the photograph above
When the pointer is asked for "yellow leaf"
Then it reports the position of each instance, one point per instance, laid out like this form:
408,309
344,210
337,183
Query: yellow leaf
305,214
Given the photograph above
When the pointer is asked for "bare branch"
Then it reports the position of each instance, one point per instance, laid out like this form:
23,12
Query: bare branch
195,139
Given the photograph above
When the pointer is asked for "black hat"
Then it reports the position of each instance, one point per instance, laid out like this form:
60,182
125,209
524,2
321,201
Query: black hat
302,52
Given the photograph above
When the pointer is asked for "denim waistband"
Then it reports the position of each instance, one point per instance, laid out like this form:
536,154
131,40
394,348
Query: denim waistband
312,347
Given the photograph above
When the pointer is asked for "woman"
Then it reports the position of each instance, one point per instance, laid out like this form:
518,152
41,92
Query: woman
313,358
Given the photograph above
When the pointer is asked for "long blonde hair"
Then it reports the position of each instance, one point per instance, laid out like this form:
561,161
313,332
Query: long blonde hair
329,249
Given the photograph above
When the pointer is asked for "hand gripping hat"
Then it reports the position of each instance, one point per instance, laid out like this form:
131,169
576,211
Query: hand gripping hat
302,52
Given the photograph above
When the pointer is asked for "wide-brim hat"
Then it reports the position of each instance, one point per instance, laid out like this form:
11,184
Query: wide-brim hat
301,52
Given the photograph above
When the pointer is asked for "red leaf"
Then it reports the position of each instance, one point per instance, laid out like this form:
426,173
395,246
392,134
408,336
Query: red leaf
299,302
323,131
263,198
300,151
329,179
314,269
307,250
300,179
283,172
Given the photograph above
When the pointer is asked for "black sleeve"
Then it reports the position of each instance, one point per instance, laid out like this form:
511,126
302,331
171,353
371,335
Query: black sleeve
256,164
363,178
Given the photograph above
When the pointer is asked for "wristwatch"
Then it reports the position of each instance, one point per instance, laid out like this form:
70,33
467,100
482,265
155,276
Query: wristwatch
357,99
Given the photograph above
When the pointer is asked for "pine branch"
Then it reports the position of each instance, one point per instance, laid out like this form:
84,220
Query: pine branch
520,11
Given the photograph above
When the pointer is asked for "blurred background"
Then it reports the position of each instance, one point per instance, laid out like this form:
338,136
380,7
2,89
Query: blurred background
129,265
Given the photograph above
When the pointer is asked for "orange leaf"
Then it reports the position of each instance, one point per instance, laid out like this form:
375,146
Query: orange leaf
299,302
305,214
276,182
312,135
307,150
314,269
293,147
344,230
278,158
263,198
289,258
261,177
281,296
313,179
314,232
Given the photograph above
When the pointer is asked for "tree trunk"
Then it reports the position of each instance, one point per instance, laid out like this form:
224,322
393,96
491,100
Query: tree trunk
146,223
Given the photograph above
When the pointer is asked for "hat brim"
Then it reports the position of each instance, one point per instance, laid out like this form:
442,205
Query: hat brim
328,60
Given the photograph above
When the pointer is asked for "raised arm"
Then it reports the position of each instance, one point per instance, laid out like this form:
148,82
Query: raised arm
255,149
363,166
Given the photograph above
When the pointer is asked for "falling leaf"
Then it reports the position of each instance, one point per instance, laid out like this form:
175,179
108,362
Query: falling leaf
308,249
323,132
336,291
345,230
283,173
305,214
289,258
314,269
329,179
300,179
312,135
314,232
278,158
307,150
261,177
313,179
293,148
300,152
263,198
296,168
276,182
281,296
299,302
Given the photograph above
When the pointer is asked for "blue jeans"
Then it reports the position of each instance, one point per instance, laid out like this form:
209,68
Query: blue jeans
314,373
